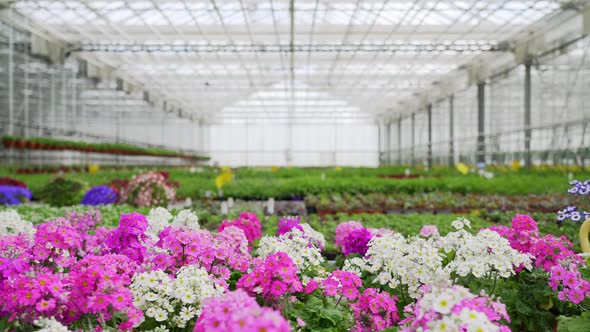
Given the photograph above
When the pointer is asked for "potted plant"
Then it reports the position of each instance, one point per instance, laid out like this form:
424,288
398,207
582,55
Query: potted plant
8,141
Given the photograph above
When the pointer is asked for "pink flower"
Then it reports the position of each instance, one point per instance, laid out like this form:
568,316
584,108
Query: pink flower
311,286
429,230
301,322
236,311
272,277
342,231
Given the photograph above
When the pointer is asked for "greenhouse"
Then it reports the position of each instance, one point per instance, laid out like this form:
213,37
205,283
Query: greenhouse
295,165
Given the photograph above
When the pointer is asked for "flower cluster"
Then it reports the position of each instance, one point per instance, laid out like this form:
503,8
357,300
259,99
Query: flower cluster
444,308
99,195
272,277
546,251
429,230
579,188
412,262
11,223
6,181
177,300
159,218
571,212
487,254
50,325
550,253
236,311
217,253
295,244
572,287
14,195
99,287
356,242
288,223
343,284
248,222
148,189
130,237
342,231
374,311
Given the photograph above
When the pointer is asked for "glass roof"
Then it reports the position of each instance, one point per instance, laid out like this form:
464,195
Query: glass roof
355,58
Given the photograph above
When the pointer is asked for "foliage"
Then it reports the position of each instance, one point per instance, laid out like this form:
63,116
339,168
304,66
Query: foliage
62,192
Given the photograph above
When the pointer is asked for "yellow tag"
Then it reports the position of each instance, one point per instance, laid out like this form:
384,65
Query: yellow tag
93,169
222,179
275,169
462,168
338,168
515,166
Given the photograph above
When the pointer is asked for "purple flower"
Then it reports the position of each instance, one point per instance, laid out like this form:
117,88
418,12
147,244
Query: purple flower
288,223
13,195
357,242
99,195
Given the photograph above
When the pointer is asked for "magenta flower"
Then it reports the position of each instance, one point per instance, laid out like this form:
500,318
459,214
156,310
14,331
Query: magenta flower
272,277
236,311
248,222
342,231
357,242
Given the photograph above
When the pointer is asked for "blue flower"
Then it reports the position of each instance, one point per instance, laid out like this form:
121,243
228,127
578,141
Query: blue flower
13,195
99,195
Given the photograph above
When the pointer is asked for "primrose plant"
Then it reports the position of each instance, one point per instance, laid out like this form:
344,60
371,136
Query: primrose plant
579,190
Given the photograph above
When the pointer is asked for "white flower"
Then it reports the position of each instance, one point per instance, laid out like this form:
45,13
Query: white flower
460,223
49,325
161,315
295,244
12,223
487,253
396,260
161,328
443,304
187,218
158,219
445,324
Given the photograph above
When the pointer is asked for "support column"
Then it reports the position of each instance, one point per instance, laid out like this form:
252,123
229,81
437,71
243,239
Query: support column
481,147
413,151
429,152
379,143
387,139
399,141
26,104
11,81
451,131
527,115
64,101
52,104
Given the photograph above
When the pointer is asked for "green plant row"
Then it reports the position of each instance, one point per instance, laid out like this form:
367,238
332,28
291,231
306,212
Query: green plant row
196,184
46,143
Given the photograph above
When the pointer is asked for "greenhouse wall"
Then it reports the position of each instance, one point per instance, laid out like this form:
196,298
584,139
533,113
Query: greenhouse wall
559,118
310,145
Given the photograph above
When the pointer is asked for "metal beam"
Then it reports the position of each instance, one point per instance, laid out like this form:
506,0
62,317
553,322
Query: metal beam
381,48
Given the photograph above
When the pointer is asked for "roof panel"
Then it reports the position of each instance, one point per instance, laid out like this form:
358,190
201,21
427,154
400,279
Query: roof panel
218,52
